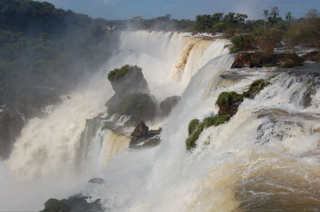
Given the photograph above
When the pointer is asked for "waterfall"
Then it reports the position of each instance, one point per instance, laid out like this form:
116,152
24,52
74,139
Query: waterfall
168,59
265,157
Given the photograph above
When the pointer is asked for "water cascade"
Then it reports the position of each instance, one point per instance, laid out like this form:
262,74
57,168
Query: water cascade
265,158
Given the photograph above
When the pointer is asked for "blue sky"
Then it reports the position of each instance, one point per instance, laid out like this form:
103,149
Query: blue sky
182,9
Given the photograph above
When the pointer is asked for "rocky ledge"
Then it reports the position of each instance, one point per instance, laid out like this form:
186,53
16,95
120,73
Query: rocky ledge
259,59
76,203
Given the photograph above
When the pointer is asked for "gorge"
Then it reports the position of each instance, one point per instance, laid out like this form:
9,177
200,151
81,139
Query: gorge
265,158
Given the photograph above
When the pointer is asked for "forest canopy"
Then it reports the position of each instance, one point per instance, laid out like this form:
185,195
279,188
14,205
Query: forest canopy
44,47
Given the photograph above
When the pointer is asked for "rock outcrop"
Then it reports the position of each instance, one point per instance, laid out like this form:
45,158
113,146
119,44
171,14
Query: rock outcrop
142,136
228,103
258,60
132,96
313,56
77,203
168,104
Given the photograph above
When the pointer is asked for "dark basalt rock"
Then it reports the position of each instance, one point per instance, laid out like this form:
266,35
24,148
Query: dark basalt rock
132,96
96,181
258,60
168,104
313,56
142,135
76,203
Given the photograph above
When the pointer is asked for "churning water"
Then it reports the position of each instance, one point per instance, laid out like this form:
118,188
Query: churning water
266,158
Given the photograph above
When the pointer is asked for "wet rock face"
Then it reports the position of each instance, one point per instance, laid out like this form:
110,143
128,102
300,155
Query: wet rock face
168,104
11,124
142,135
129,81
132,96
258,60
313,56
77,203
96,181
228,103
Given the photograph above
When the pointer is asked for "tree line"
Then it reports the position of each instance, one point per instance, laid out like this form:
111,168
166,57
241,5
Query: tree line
266,32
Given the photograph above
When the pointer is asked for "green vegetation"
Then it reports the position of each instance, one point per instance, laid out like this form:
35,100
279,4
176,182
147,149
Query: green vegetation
118,73
196,128
226,98
272,76
255,87
191,140
44,52
53,205
309,81
215,120
193,125
228,103
137,105
242,43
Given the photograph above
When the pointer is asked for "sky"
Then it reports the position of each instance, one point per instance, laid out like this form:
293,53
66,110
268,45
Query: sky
182,9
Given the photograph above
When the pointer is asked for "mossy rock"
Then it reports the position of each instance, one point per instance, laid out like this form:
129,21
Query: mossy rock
196,128
193,125
140,106
191,140
227,98
120,72
215,120
54,205
255,87
228,103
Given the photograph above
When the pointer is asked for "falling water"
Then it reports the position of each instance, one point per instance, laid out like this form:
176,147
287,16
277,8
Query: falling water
266,158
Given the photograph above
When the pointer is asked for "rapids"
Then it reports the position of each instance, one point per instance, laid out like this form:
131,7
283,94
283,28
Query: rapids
266,158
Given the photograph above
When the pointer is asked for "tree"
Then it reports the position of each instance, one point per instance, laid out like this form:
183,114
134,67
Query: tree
289,18
265,14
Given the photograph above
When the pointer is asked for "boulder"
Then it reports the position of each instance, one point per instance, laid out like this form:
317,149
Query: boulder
142,134
132,96
258,60
76,203
140,131
168,104
96,181
228,103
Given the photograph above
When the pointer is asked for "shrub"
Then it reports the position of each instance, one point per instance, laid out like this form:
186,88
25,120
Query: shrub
138,105
242,43
268,41
226,98
191,140
118,73
193,125
255,87
195,128
215,120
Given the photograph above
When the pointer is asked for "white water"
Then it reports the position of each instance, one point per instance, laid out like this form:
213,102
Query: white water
266,156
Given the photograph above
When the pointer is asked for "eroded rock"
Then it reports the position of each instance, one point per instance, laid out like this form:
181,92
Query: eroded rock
168,104
76,203
258,60
132,96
